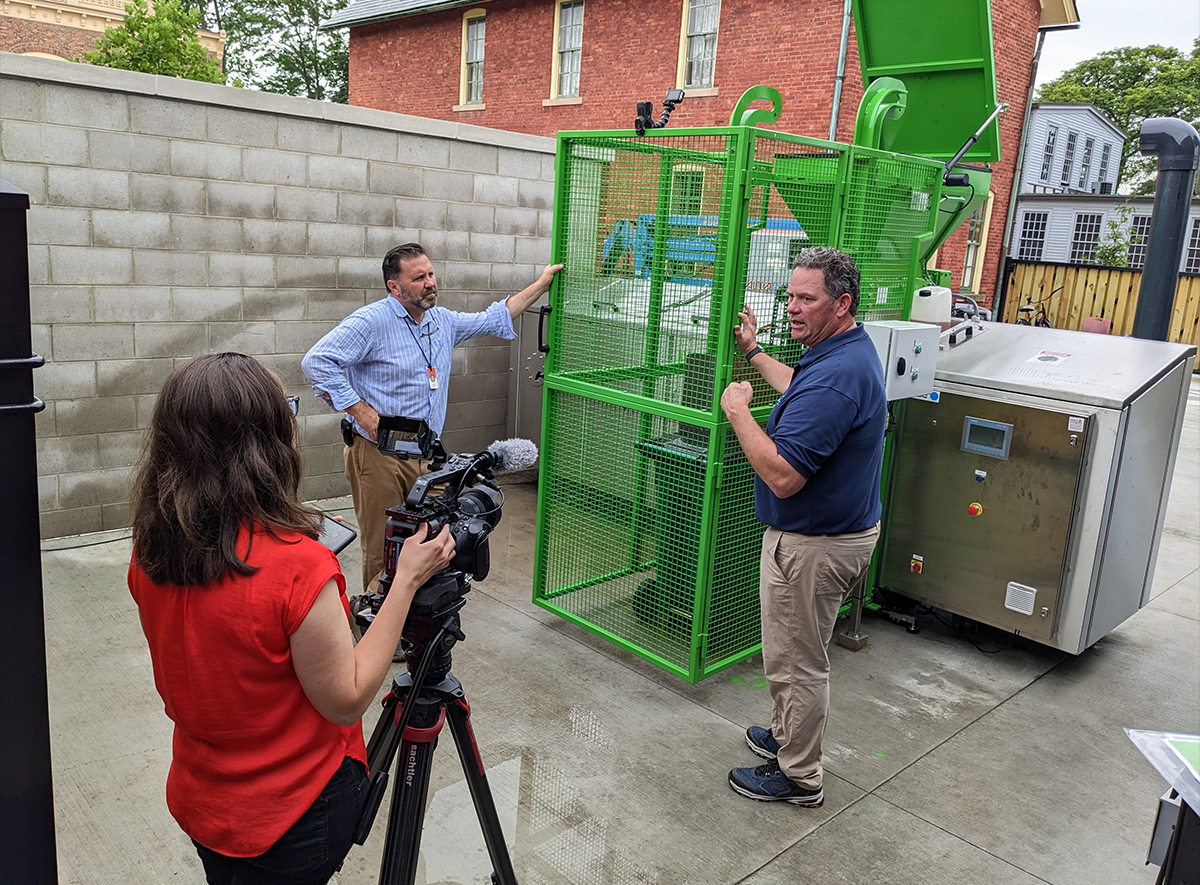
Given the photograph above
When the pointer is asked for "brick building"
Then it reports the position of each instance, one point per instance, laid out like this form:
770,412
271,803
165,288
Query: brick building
67,30
539,66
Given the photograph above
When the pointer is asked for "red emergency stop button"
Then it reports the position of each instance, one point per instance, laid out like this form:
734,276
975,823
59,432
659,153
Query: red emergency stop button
975,509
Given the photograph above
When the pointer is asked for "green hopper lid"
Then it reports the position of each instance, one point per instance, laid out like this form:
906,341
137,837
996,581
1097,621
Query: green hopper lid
942,51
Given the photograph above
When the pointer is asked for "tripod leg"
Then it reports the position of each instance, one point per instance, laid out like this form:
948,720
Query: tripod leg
406,817
459,714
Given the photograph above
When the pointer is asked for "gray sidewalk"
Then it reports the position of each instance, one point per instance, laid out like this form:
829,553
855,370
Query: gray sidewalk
945,764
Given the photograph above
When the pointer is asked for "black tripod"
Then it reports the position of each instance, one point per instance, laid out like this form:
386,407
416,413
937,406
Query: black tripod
422,698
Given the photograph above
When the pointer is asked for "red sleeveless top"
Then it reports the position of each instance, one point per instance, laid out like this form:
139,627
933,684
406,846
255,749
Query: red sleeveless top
250,753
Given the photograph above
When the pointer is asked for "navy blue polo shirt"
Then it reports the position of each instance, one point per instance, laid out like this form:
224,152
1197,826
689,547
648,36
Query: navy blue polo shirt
829,426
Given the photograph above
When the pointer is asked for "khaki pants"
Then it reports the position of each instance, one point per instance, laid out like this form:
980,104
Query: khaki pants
377,482
804,579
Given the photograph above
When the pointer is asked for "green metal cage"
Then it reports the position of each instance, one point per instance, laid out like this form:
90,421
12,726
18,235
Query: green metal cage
646,531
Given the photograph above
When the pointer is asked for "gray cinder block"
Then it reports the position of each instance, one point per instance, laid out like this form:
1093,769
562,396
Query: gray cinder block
304,204
90,108
81,265
277,237
122,377
337,173
336,239
93,341
37,143
274,167
129,152
164,193
238,200
60,304
120,304
304,271
471,217
498,190
68,186
79,417
131,230
200,159
469,156
231,269
491,247
168,268
169,340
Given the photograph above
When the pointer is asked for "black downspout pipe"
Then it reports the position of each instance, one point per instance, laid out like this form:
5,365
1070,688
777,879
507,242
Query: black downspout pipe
1177,147
27,846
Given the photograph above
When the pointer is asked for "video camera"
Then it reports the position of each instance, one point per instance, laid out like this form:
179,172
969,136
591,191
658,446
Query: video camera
469,502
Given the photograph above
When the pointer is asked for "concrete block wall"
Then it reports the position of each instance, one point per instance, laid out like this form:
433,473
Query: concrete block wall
171,218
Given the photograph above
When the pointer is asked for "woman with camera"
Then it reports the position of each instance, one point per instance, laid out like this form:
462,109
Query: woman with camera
246,618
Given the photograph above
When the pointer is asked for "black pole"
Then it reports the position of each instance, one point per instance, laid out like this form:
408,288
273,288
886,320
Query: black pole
27,849
1177,147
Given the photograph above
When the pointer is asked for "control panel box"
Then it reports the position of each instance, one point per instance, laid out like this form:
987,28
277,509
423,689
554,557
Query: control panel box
908,352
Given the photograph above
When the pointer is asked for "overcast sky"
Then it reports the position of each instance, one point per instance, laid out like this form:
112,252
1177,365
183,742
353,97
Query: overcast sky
1110,24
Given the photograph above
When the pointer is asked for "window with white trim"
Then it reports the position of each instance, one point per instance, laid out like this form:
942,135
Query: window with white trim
1087,235
1105,153
570,48
1085,164
974,241
1033,236
1068,160
1048,152
1139,236
701,43
474,30
1192,263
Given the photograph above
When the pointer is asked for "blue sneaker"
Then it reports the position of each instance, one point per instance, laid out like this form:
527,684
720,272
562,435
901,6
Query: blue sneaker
762,742
767,783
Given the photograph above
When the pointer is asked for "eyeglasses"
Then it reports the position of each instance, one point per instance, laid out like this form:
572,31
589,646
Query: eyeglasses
294,405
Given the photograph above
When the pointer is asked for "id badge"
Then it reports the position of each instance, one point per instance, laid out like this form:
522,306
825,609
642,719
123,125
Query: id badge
433,382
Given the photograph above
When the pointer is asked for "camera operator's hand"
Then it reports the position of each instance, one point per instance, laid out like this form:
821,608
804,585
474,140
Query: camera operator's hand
420,562
366,418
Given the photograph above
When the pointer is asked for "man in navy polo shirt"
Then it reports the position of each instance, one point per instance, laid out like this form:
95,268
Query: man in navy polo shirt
817,471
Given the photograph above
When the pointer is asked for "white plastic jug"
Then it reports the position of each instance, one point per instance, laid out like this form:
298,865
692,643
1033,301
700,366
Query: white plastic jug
931,304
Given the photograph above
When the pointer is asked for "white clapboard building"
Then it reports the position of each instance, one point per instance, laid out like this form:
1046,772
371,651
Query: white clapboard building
1068,193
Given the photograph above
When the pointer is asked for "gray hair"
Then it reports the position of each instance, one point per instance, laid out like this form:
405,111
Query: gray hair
838,270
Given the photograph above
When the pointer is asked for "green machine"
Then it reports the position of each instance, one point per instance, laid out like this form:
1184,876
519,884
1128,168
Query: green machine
646,531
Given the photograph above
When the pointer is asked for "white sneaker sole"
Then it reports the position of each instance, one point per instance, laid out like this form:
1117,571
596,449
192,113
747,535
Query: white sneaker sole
814,801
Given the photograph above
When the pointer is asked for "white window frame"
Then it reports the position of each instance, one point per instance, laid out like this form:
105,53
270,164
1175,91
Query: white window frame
465,98
1029,246
1085,162
1068,159
978,223
1105,154
1191,262
1048,152
567,54
686,38
1084,240
1139,238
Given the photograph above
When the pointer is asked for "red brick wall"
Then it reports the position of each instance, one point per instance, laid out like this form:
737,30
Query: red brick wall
23,35
631,51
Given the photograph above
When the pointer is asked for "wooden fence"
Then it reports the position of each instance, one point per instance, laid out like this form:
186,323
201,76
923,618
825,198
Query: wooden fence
1069,293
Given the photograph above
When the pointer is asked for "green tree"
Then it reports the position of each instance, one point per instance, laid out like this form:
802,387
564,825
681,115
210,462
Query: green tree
277,46
160,42
1112,250
1129,85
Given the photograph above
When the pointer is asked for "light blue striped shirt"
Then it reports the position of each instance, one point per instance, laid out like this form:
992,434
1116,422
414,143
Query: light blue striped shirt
380,356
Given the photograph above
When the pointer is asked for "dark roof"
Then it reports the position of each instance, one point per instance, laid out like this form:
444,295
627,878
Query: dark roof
365,11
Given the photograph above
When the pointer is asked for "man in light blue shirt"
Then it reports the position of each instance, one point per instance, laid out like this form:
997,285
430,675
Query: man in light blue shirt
392,357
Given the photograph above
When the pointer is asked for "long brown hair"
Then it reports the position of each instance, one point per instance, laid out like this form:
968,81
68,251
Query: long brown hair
219,453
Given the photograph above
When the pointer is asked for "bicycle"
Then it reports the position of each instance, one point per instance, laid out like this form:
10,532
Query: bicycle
1034,314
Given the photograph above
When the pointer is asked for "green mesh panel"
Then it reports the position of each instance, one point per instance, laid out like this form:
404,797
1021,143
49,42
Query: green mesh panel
890,200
